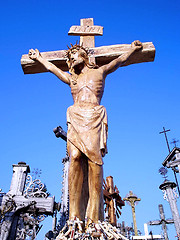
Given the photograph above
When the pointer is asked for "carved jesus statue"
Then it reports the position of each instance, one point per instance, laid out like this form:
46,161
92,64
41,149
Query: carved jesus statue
87,122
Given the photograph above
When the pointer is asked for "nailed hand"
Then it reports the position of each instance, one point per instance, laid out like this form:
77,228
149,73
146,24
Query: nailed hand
34,54
137,45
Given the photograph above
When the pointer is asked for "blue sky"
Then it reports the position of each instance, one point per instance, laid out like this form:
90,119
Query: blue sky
140,99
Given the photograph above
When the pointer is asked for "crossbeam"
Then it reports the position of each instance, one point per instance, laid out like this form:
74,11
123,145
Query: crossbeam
103,55
44,205
99,55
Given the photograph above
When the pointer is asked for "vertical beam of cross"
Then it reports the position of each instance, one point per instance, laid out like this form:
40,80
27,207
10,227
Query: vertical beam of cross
164,221
87,41
87,31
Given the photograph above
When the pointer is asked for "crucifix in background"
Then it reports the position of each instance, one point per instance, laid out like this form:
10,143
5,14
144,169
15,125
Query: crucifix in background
87,119
132,200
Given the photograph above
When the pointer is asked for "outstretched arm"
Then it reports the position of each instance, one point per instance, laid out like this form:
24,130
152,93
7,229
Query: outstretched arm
63,76
121,60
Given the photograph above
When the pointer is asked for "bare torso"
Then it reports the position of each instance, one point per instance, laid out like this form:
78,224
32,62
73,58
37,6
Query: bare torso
88,90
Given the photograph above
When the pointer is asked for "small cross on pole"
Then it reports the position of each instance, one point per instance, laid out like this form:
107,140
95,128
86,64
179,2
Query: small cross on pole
174,142
165,131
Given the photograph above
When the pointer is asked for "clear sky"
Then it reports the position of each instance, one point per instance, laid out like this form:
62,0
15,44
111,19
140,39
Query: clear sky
140,99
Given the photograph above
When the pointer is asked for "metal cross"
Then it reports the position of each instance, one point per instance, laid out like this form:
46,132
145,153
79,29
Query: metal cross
174,142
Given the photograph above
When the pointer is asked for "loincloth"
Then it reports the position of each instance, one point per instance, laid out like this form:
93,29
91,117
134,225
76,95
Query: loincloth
87,130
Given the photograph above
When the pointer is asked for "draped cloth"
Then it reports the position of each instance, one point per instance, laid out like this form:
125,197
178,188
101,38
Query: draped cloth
87,130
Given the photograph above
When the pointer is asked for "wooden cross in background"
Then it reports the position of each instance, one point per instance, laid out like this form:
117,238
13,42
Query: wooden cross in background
112,200
100,55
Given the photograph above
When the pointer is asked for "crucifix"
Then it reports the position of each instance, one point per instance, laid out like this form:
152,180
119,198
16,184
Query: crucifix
88,68
132,200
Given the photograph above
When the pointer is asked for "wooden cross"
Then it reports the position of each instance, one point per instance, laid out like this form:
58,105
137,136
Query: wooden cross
101,55
162,221
112,200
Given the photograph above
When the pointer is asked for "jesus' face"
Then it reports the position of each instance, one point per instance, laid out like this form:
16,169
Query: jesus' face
76,58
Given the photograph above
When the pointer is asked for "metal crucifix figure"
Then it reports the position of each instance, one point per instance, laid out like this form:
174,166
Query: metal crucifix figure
86,118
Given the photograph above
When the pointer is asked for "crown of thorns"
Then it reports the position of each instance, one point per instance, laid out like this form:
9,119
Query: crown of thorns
77,47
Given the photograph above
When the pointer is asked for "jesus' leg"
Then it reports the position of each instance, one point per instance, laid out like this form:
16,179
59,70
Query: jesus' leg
75,181
95,188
